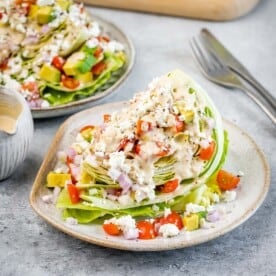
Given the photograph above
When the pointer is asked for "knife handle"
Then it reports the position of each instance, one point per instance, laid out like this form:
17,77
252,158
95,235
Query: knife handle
263,103
247,76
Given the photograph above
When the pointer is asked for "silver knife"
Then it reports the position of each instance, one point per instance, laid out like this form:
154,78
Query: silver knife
219,51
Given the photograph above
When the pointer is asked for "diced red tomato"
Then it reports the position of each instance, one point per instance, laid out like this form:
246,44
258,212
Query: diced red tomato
1,15
142,126
172,218
69,162
103,38
123,144
69,82
170,186
137,148
58,62
111,229
4,64
179,125
106,118
146,230
73,193
98,52
26,2
207,153
99,68
164,150
86,128
227,181
30,86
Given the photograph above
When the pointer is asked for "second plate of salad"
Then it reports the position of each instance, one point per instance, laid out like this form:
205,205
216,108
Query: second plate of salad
162,171
59,57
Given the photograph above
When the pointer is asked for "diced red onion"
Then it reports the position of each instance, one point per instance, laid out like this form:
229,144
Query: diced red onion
213,216
31,39
75,171
45,29
77,159
71,153
124,182
32,104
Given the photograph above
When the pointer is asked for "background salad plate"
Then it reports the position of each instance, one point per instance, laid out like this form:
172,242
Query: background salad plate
244,155
113,32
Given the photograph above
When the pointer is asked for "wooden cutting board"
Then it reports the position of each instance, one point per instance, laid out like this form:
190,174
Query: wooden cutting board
217,10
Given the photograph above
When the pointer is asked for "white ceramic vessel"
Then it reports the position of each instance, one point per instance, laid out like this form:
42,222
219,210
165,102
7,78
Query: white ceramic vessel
16,131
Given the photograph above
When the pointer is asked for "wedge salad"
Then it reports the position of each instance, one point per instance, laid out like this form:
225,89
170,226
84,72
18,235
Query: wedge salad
53,53
150,169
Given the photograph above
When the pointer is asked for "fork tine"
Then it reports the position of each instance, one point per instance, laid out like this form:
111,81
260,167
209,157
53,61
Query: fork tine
198,54
214,59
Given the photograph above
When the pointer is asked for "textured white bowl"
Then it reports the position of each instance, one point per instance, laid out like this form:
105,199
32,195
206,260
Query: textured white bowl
14,147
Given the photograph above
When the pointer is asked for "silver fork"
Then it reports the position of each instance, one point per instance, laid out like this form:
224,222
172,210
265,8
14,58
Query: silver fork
214,70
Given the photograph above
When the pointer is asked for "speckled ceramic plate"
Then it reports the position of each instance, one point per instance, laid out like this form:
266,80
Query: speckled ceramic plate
117,78
244,155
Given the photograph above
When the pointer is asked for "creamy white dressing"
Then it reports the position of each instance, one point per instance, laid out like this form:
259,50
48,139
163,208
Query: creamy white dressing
155,106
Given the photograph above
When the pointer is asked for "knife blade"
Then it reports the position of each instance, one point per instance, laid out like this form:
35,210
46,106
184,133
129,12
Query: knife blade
214,46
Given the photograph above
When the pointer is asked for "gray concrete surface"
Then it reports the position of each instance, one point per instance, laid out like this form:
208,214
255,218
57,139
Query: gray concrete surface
29,246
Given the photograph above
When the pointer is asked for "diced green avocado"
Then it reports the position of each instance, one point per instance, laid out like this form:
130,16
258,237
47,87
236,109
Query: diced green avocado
191,222
85,78
64,4
79,63
75,38
187,114
49,73
44,14
181,137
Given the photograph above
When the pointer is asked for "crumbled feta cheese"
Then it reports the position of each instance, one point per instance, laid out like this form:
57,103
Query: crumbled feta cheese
155,208
11,83
92,43
215,197
47,199
94,30
113,46
229,196
167,211
125,199
168,230
143,192
240,173
194,208
93,191
127,224
45,104
45,2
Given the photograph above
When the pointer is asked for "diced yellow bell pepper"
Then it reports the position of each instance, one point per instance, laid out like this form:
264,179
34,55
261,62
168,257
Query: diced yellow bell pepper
191,222
33,11
85,177
57,179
